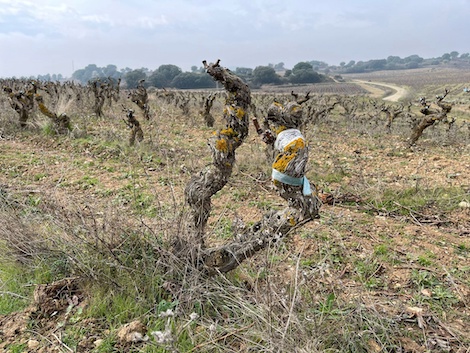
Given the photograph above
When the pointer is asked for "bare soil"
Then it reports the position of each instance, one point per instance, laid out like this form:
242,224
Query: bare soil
432,240
377,90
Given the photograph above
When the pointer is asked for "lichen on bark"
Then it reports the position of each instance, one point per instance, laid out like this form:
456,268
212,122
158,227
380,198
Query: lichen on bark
275,224
222,145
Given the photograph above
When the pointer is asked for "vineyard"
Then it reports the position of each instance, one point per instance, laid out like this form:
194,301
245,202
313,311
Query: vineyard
104,248
427,81
339,88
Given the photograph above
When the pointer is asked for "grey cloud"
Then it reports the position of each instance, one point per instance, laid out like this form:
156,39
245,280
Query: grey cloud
48,37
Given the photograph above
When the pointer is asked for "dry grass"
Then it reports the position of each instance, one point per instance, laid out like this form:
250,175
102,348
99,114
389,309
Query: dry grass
384,269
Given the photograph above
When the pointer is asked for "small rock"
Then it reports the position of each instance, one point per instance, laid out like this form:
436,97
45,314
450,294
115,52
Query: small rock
33,344
132,332
426,292
374,346
464,204
98,342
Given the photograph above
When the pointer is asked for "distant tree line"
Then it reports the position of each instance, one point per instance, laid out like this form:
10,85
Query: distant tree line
302,72
397,63
305,72
165,76
171,76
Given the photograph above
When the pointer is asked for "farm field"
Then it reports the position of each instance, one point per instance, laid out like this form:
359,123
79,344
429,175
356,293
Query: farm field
340,88
88,225
421,82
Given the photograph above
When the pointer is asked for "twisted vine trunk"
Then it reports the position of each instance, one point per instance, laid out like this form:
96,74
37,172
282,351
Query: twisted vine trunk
98,93
22,103
275,224
60,122
133,124
206,112
140,97
222,144
431,116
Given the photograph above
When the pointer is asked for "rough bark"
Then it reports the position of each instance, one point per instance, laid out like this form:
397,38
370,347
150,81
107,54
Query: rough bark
140,97
61,123
431,116
391,113
275,224
133,124
22,102
206,111
222,145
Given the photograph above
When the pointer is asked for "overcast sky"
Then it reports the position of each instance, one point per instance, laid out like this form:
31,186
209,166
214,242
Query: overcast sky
53,36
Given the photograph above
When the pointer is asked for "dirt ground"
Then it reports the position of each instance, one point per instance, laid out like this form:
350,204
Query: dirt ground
351,226
375,90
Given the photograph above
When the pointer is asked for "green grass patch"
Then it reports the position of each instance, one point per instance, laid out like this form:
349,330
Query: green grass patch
463,249
264,205
223,229
39,176
17,348
48,129
115,306
138,198
15,289
128,278
432,291
87,182
17,281
426,259
368,272
415,199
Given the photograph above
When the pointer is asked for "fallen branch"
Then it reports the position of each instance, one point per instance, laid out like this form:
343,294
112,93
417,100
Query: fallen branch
426,219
